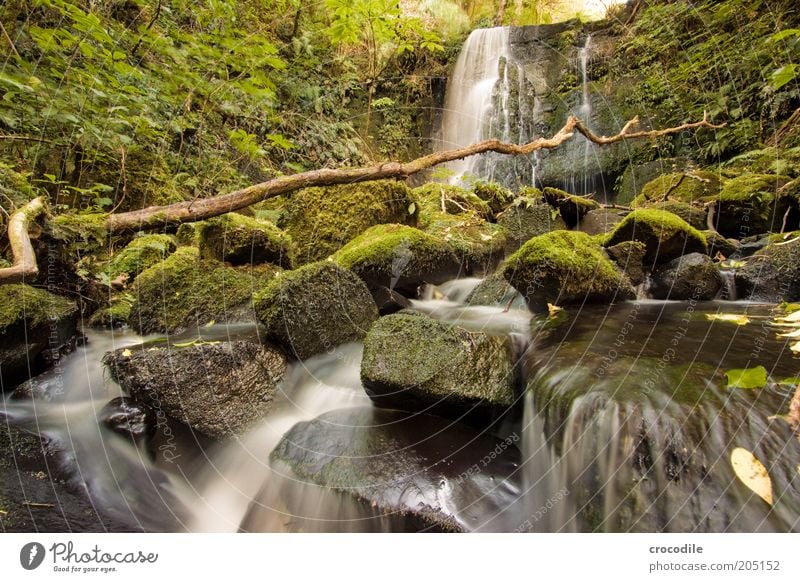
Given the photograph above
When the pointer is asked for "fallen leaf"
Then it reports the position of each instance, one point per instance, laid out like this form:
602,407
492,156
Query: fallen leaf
736,318
792,317
795,347
747,377
553,310
126,353
795,333
752,473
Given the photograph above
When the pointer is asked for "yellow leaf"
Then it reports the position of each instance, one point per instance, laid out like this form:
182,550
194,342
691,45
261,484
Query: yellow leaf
552,310
795,333
126,353
795,347
728,318
752,473
793,317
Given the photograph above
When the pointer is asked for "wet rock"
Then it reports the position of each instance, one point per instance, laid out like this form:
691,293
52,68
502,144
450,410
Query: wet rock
389,301
572,209
602,220
431,474
416,363
565,268
629,256
636,176
752,244
241,240
322,220
129,418
526,218
315,308
692,276
218,389
437,197
399,257
114,316
772,274
495,195
478,245
717,243
493,290
50,389
664,235
36,328
694,215
687,187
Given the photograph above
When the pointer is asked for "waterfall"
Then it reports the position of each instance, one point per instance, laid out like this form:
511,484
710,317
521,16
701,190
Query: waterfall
583,183
468,101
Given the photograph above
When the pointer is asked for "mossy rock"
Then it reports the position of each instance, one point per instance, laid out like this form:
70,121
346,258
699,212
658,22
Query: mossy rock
115,315
322,220
399,257
241,240
315,308
772,274
456,200
750,204
495,195
419,364
664,235
690,277
35,326
636,176
526,218
493,290
719,244
629,256
142,252
696,216
564,268
571,208
685,187
184,291
478,244
770,160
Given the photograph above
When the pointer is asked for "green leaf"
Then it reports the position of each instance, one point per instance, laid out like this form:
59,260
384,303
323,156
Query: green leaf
412,208
747,378
783,75
735,318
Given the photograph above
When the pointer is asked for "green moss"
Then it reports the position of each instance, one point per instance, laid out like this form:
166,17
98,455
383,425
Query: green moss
694,215
239,239
456,200
564,267
664,235
81,234
769,160
684,187
115,315
494,195
529,217
142,252
322,220
184,290
751,188
479,244
572,208
21,303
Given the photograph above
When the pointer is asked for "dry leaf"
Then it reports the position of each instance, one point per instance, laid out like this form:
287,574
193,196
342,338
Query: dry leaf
126,353
752,473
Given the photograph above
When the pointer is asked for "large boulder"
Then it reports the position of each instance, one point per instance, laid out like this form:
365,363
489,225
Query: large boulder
601,220
241,240
438,197
315,308
692,276
772,274
687,187
415,363
526,218
629,256
322,220
418,472
185,291
399,257
478,244
218,389
664,235
142,252
565,268
751,204
493,290
35,328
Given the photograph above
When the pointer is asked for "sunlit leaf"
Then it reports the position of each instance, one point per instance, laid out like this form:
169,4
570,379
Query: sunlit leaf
747,377
791,318
126,353
783,75
736,318
795,347
795,333
553,310
752,473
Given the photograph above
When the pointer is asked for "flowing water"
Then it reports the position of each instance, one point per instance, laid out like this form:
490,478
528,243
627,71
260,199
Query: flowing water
623,423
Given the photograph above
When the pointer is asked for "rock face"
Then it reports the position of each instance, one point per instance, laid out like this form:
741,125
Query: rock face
240,240
217,389
399,257
564,268
664,235
322,220
415,363
420,469
493,290
35,328
772,274
571,208
315,308
692,276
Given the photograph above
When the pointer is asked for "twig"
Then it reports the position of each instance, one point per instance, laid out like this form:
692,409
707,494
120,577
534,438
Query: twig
785,219
35,505
9,41
712,212
672,188
28,138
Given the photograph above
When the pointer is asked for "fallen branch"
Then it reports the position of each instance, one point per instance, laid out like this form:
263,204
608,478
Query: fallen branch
24,266
192,211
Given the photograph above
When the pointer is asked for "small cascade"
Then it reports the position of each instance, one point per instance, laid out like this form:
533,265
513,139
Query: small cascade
728,291
643,288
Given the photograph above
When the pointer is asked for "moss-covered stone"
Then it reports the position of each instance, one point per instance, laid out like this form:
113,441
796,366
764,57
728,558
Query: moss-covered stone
184,291
528,217
315,308
241,240
142,252
685,187
572,208
322,220
397,256
772,274
35,325
478,244
493,290
636,176
495,195
564,268
695,215
750,204
115,315
664,235
416,363
436,197
770,160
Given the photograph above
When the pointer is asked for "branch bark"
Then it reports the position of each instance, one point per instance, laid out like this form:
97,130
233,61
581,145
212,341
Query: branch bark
24,266
192,211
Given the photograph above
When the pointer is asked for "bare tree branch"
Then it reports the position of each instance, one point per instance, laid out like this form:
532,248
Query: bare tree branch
25,266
